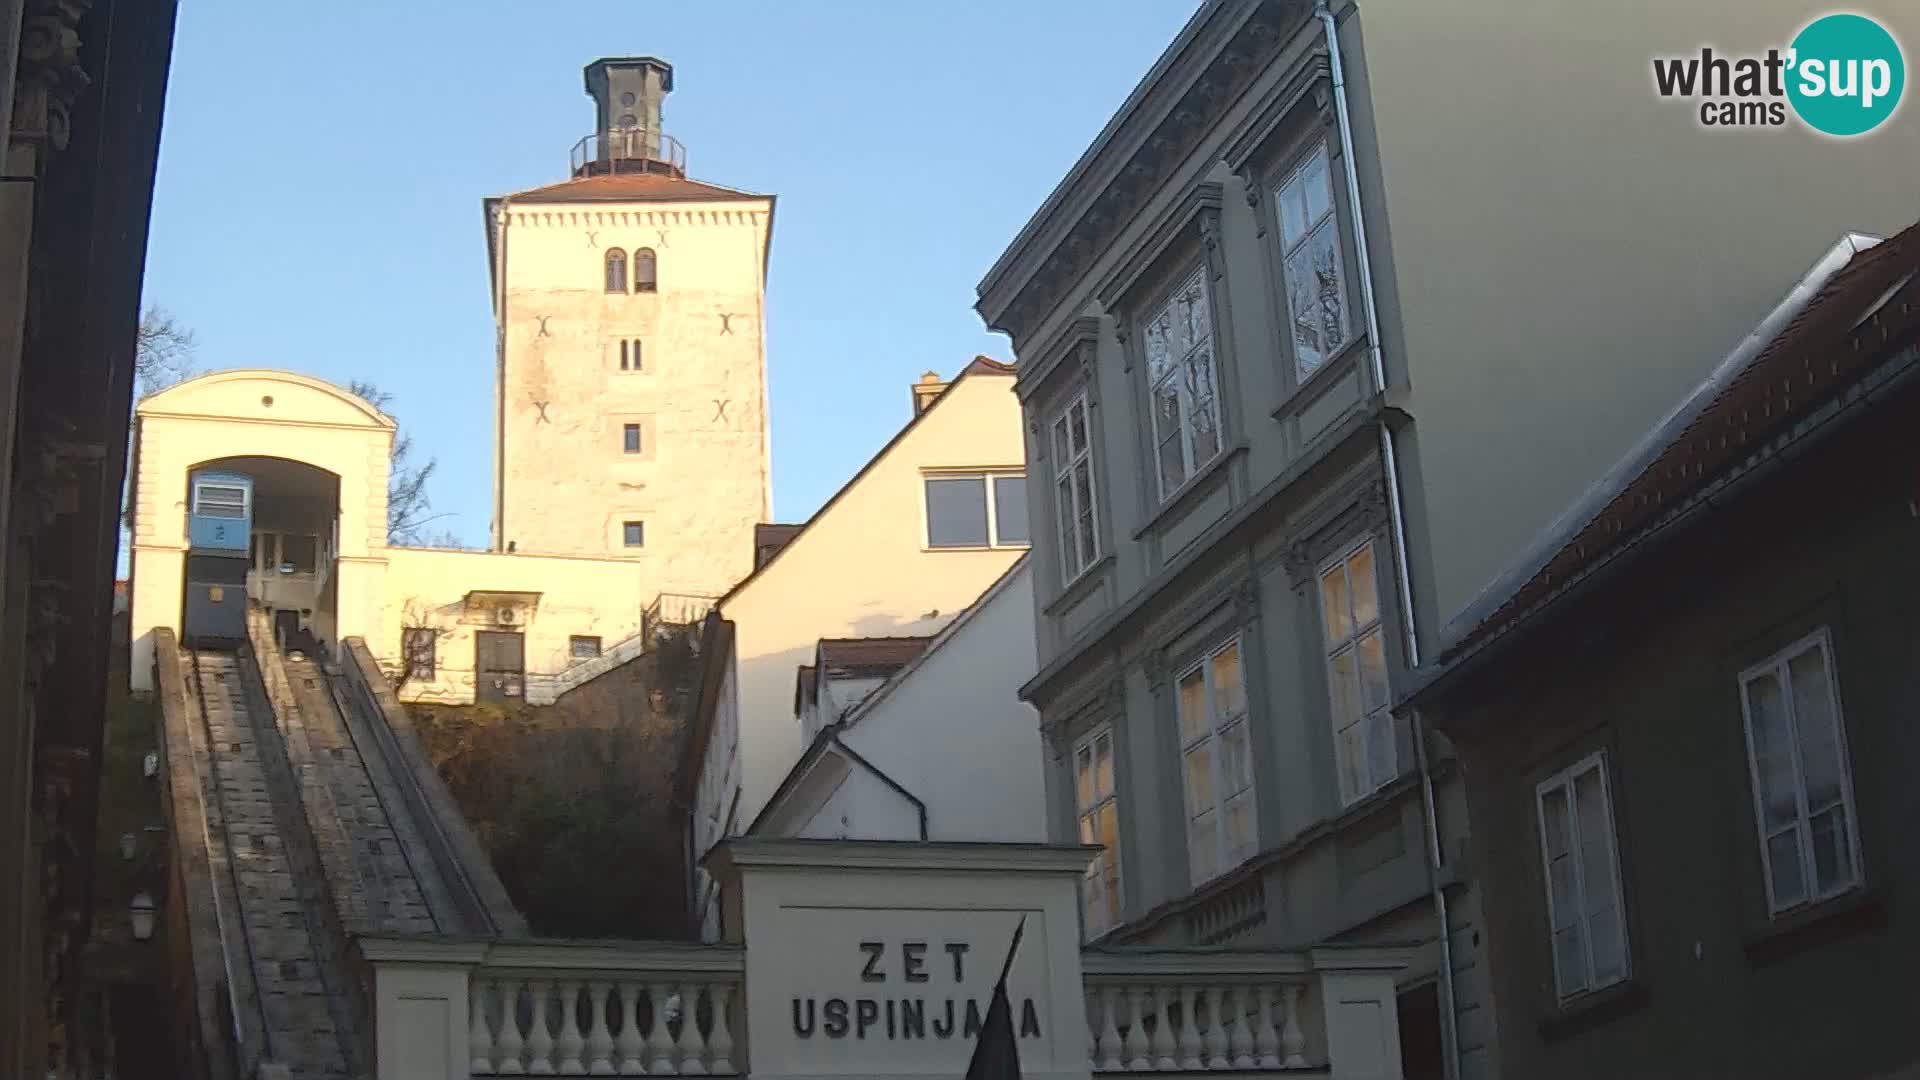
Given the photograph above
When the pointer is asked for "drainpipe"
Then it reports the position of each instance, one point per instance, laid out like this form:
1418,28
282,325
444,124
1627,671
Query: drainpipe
500,542
1397,523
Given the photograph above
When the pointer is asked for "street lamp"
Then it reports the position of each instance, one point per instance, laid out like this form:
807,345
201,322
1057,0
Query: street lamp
141,911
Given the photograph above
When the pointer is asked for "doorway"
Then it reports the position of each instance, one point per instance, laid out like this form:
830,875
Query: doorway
499,665
1422,1055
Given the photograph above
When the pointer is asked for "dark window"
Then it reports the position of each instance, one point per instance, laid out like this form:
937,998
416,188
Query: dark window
616,270
1010,510
630,438
299,554
977,510
629,354
583,647
634,533
645,270
221,500
416,647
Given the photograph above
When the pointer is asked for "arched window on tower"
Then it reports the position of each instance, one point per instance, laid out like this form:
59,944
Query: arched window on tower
616,270
645,270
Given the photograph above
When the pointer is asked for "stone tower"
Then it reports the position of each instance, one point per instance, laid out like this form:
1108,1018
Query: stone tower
631,405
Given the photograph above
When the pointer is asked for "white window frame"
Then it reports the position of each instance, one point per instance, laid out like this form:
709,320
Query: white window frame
1105,867
1217,726
1076,511
1332,650
1322,153
986,477
1177,367
1777,665
1563,781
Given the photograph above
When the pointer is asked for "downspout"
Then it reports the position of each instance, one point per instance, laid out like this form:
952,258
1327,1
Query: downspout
1397,523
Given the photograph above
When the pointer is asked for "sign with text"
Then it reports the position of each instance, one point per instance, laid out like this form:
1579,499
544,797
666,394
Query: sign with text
899,990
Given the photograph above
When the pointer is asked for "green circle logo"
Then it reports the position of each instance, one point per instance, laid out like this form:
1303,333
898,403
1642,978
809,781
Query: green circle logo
1846,76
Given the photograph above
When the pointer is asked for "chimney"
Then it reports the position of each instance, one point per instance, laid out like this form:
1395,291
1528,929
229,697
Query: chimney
924,391
627,94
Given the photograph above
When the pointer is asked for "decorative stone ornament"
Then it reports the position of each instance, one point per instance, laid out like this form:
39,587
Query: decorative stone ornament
50,77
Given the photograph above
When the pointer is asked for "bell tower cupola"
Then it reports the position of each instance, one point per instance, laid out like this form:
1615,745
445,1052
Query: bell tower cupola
627,94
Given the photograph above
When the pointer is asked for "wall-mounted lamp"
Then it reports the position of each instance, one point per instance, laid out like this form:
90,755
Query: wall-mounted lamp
141,911
151,766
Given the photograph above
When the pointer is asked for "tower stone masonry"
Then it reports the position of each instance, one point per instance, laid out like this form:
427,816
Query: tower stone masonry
631,407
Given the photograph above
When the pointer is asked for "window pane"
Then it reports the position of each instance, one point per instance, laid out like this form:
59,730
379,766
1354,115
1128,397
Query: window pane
1070,563
1203,847
634,533
1309,348
1010,510
1293,211
956,512
1381,752
1083,486
1335,612
630,438
1083,777
1569,966
1062,454
1077,426
1343,673
1596,860
1193,706
1160,345
1372,653
1814,723
1330,291
1107,835
1240,829
1316,181
1229,694
1832,850
1783,866
616,270
1166,425
1236,760
1103,766
1360,578
1201,407
1350,752
1195,314
1199,766
1773,756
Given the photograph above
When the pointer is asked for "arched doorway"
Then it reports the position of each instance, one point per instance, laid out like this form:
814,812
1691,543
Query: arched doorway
290,567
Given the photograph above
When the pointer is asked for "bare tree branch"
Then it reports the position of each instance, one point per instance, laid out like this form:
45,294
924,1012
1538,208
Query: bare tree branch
408,507
163,352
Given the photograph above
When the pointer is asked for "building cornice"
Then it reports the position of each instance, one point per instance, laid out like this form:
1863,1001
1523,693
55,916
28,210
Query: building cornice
744,853
1220,53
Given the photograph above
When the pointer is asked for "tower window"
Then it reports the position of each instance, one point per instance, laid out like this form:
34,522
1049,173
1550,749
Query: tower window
617,270
633,534
630,438
645,270
629,354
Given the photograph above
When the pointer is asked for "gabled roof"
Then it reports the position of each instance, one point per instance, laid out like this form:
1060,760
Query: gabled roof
769,538
828,742
630,187
980,365
868,657
1861,298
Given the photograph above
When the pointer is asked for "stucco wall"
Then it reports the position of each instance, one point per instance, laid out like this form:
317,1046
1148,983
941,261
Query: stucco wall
955,733
1563,254
701,480
862,569
427,587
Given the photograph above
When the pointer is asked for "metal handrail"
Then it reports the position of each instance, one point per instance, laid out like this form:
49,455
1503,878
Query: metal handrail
624,149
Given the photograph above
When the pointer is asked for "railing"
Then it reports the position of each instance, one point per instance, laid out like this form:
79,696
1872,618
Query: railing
1181,1011
674,609
628,150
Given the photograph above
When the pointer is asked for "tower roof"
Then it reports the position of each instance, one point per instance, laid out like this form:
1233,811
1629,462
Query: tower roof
630,187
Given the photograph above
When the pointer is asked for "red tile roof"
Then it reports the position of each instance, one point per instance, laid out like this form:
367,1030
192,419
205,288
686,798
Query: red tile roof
869,657
630,187
1827,346
769,538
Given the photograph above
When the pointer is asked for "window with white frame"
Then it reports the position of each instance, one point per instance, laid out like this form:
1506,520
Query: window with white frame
1073,495
1098,809
1582,864
1802,780
1311,261
1182,381
977,510
1363,736
1216,763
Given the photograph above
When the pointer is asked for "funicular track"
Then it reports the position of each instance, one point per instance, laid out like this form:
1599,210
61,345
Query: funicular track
286,984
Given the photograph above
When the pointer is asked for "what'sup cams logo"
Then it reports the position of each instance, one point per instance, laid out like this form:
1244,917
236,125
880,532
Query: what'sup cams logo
1843,75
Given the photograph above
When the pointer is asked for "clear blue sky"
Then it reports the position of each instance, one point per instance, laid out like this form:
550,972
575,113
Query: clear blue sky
322,166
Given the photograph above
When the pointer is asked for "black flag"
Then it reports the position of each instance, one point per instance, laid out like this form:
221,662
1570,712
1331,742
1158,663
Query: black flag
996,1053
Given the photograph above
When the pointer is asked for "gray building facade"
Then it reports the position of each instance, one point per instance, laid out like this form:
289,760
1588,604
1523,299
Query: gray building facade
1286,335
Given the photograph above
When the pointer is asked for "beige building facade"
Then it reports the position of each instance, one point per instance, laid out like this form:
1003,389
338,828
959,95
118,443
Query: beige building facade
632,412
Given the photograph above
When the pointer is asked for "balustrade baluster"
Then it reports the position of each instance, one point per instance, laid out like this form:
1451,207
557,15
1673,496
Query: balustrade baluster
631,1045
599,1037
539,1039
1266,1043
571,1042
659,1042
1137,1060
1109,1059
511,1047
1189,1029
1239,1035
692,1050
1163,1030
1217,1029
479,1034
721,1040
1293,1041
